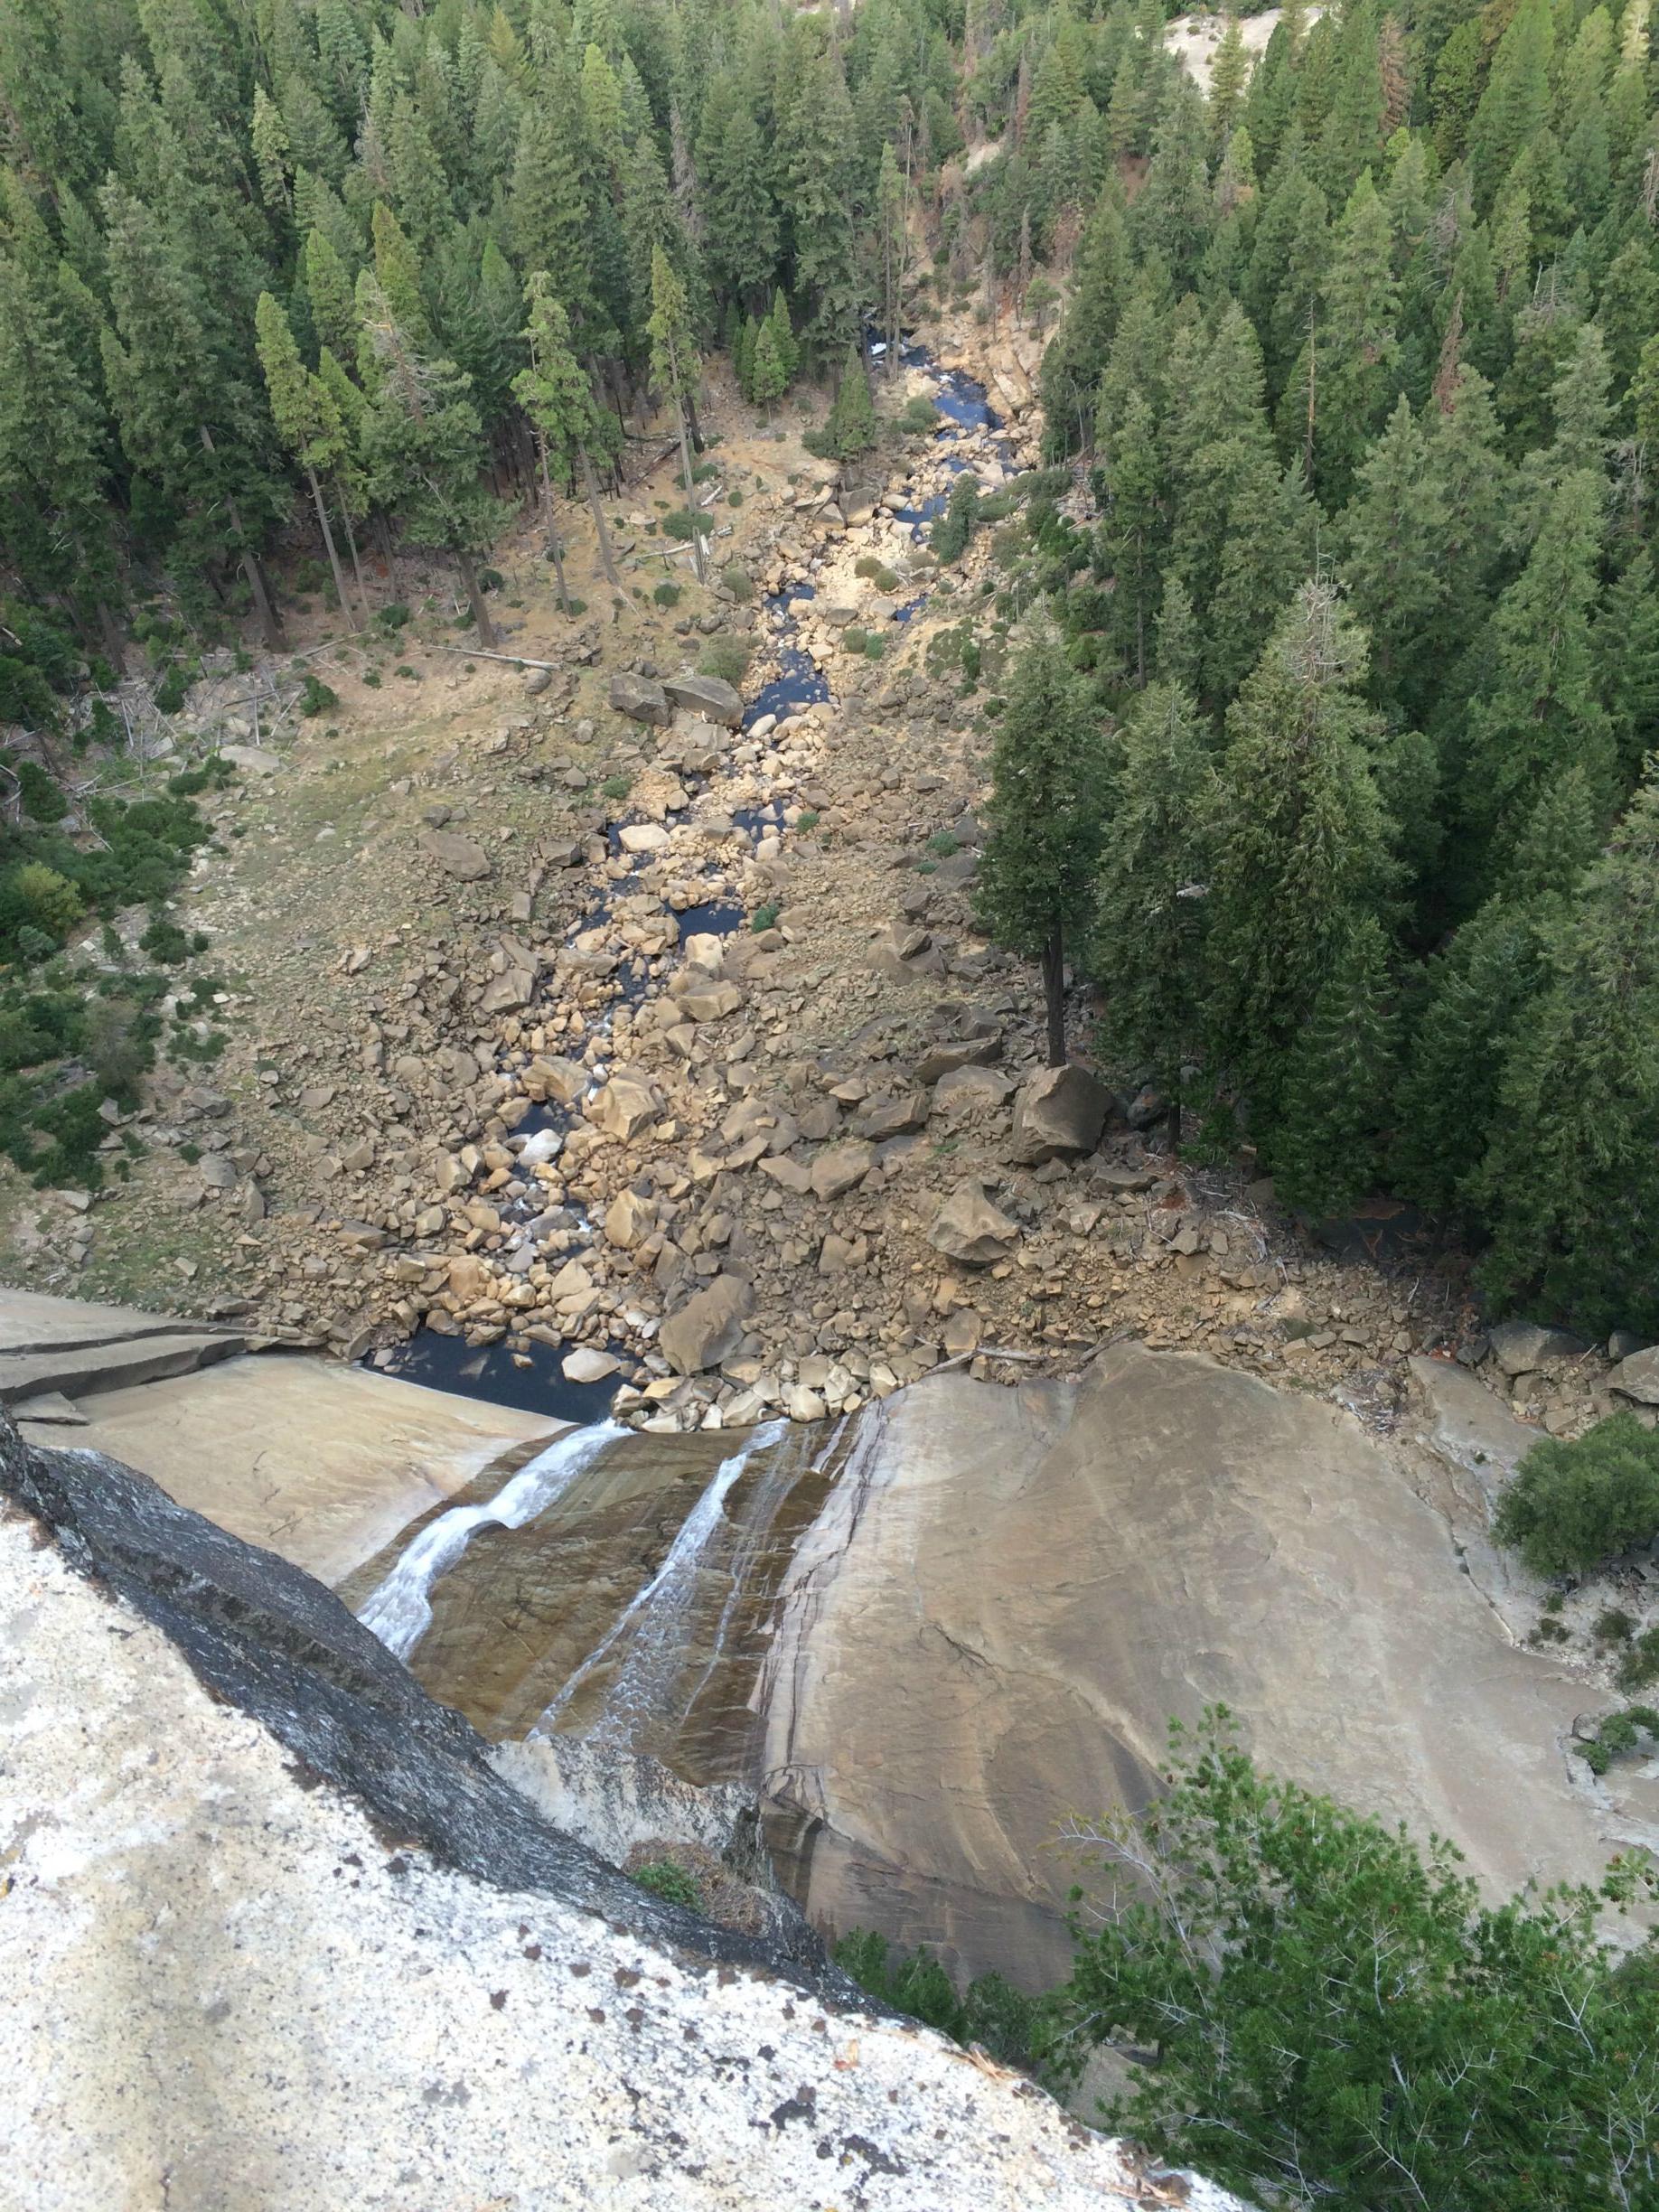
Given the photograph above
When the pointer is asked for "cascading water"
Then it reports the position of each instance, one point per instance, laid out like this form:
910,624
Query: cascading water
649,1632
399,1611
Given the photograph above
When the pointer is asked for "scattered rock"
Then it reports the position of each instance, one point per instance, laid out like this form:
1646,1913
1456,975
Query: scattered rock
708,696
709,1327
1520,1346
1637,1376
456,856
970,1229
1061,1110
587,1364
839,1168
639,699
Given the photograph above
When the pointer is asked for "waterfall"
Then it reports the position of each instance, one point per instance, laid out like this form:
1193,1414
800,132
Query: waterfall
654,1617
775,1486
399,1611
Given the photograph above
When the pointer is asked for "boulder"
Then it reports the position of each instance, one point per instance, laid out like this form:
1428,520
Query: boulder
536,681
702,998
1520,1346
1637,1376
892,1117
564,1080
969,1090
1060,1110
629,1219
709,1327
838,1167
970,1229
456,856
958,1053
644,838
588,1364
641,699
624,1106
709,697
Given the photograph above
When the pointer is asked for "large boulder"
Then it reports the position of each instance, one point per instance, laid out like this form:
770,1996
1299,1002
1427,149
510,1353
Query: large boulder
970,1229
624,1106
838,1167
564,1080
958,1053
456,856
1520,1346
1060,1110
641,699
708,696
709,1327
1637,1376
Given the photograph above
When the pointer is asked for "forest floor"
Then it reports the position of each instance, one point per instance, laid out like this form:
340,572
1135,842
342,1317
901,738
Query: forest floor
349,1171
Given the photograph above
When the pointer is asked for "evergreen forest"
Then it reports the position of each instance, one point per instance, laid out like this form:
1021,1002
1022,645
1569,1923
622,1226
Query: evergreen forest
1325,753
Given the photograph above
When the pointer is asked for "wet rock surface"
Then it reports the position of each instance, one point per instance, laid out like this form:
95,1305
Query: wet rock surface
275,1643
222,1983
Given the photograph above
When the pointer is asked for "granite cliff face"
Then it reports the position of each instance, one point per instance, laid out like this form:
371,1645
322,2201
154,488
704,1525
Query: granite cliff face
274,1934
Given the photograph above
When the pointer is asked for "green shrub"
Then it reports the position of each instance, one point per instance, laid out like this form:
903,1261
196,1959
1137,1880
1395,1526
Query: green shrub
681,524
738,582
393,616
667,594
725,657
171,689
41,796
875,645
164,941
766,917
866,564
943,843
919,417
855,640
1573,1505
616,787
734,498
809,819
990,2012
1341,2018
1640,1664
317,697
53,902
705,471
666,1879
1617,1735
1613,1625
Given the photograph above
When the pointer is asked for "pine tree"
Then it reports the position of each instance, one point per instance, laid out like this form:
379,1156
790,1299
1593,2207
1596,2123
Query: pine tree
556,396
1304,845
738,198
334,309
767,381
1515,103
1328,1143
1625,649
1179,647
1537,712
1392,534
1480,993
674,367
1045,819
743,357
1229,73
850,429
892,240
1148,941
817,149
1129,542
307,420
784,337
427,449
1572,1183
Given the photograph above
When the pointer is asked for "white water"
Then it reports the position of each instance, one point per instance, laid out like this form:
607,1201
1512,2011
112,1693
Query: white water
399,1612
654,1617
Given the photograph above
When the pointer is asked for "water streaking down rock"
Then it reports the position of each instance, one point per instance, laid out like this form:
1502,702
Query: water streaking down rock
224,1986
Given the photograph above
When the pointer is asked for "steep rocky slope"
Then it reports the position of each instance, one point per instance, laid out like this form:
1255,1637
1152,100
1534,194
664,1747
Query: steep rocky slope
224,1981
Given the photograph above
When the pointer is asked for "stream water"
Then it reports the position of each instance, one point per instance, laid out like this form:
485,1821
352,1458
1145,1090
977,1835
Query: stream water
618,1587
530,1377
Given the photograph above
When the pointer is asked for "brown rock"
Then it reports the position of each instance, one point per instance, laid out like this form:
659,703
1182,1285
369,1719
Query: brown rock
709,1327
970,1229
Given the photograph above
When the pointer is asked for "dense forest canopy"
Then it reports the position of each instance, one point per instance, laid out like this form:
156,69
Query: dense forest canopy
1351,619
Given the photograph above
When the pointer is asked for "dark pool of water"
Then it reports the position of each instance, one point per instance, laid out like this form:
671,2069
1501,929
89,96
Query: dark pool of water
710,918
489,1371
911,608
